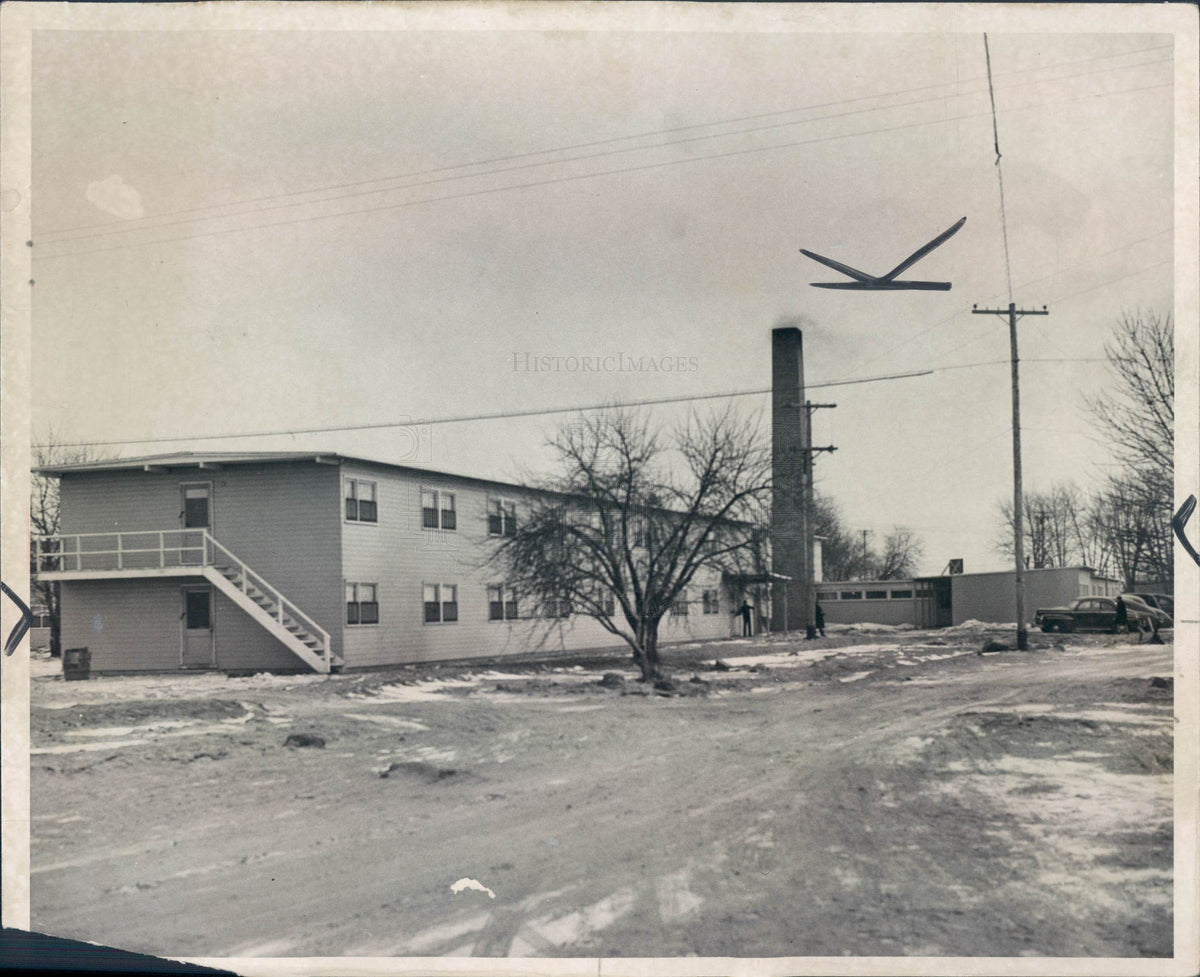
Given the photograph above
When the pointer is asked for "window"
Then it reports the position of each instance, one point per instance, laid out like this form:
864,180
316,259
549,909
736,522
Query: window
195,507
641,531
441,603
876,595
556,608
851,595
828,595
199,610
502,603
679,607
437,510
502,517
362,607
608,604
360,501
901,594
712,602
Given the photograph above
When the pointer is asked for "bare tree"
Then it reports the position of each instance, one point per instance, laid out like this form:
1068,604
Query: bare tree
844,555
1055,527
633,515
901,555
44,512
1138,416
1138,412
1130,514
841,556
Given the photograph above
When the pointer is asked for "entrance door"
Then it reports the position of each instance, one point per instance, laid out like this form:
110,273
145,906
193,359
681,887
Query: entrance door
195,513
943,615
197,642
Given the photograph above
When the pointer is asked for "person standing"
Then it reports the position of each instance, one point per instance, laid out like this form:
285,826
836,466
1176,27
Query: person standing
747,626
820,619
1122,622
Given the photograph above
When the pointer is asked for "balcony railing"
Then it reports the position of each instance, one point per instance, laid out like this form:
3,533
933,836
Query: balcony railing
137,550
171,549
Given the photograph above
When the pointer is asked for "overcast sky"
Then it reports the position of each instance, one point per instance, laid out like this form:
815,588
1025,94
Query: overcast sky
242,231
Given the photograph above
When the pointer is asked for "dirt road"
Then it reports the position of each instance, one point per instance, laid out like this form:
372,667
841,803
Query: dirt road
886,794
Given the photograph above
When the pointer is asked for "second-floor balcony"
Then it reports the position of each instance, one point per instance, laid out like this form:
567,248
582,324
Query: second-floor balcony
184,553
147,553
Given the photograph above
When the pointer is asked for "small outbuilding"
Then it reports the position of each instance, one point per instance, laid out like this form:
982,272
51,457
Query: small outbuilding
943,601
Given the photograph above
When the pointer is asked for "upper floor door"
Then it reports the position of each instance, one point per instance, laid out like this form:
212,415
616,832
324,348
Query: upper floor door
195,514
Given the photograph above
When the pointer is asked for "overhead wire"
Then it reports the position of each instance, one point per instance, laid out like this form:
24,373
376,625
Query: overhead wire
492,416
978,328
642,167
126,226
545,411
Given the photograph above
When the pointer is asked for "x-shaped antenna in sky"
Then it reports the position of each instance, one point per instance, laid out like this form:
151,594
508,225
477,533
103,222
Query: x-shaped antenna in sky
878,283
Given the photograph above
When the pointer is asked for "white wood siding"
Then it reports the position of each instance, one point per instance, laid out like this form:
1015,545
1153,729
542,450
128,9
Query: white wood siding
287,521
399,556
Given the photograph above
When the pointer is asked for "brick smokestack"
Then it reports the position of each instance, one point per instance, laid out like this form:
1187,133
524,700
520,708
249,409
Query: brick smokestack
789,437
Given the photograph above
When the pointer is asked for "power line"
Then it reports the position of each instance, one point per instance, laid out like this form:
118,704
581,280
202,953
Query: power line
565,179
1059,299
1044,359
501,415
498,415
911,339
108,228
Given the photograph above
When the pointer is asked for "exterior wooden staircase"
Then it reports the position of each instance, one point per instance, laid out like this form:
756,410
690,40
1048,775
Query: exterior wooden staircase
187,552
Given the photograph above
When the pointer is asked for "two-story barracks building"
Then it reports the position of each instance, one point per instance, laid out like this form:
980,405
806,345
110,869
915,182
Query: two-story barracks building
284,561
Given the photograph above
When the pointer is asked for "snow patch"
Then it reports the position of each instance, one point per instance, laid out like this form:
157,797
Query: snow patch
397,721
856,676
463,884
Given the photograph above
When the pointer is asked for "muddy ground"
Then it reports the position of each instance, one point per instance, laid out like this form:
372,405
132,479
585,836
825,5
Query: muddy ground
888,793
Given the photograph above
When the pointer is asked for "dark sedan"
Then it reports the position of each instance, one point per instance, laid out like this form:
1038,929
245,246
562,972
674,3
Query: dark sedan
1163,602
1093,614
1158,617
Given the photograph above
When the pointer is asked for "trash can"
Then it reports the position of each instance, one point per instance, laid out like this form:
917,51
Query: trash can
76,663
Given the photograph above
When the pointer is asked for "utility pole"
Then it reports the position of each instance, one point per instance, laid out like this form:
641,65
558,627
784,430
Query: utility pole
810,521
865,534
1013,314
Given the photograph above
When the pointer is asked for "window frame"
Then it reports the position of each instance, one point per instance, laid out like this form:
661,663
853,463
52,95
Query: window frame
355,604
507,516
679,606
439,511
192,612
446,610
186,513
350,493
509,603
711,598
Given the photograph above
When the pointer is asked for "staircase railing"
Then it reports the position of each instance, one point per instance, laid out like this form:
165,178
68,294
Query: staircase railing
165,548
250,578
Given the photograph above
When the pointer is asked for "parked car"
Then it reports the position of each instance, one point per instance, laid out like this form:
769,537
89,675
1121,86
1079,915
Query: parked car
1164,602
1159,614
1094,614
